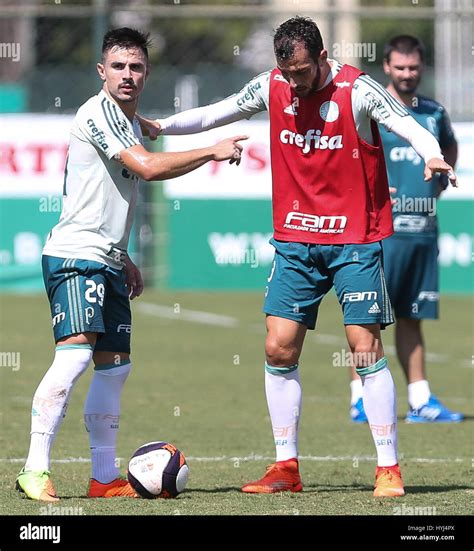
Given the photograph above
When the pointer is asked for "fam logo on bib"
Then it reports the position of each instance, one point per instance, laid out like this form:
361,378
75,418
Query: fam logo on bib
329,111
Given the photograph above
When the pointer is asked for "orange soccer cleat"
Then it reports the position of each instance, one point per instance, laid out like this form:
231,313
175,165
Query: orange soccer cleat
282,476
388,482
119,487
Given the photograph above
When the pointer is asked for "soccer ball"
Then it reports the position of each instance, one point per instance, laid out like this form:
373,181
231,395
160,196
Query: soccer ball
158,469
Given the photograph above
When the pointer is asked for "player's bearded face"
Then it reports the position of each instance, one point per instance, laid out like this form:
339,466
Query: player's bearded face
404,71
124,72
302,71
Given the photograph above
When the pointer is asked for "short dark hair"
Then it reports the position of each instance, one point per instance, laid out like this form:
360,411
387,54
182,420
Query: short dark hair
126,38
404,44
297,30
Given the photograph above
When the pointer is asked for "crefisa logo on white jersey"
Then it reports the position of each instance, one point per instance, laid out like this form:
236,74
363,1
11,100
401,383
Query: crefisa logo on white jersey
315,224
329,111
98,135
311,140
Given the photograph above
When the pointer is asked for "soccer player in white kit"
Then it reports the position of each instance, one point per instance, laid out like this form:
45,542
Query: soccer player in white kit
88,275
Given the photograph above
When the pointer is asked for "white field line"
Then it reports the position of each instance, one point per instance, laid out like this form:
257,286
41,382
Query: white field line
195,316
254,457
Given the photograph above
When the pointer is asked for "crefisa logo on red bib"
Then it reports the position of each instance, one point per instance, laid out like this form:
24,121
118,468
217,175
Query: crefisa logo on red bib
311,140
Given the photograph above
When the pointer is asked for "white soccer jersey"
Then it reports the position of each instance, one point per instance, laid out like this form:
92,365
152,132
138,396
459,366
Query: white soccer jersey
370,101
99,194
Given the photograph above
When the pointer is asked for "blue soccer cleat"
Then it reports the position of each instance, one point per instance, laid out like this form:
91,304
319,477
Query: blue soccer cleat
433,412
358,413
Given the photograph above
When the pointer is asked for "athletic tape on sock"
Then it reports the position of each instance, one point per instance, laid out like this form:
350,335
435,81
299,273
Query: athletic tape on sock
371,369
280,370
113,369
60,347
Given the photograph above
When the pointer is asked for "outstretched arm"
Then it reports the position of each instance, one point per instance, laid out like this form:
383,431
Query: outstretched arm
252,99
384,109
164,166
194,120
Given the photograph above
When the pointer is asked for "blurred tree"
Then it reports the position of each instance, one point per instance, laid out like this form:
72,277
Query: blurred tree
381,30
183,41
67,40
203,40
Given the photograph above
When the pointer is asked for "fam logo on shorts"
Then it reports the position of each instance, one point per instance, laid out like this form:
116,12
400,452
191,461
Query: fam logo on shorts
329,111
432,296
124,327
359,296
58,318
362,296
59,315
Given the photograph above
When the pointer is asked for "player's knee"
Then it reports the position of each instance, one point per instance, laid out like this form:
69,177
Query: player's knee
280,354
365,353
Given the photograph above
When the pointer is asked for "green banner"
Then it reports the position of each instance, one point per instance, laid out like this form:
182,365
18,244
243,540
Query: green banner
223,244
212,244
219,244
24,225
456,224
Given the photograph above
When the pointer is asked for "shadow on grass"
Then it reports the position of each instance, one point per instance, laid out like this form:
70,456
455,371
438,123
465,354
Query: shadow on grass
325,488
312,488
121,500
224,490
436,489
401,418
308,488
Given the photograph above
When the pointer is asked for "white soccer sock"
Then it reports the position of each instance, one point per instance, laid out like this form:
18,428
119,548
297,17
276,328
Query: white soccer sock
283,390
51,400
356,391
101,417
418,394
380,406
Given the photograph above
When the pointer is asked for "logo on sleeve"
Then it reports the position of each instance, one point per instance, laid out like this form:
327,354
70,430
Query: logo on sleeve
249,93
97,135
123,125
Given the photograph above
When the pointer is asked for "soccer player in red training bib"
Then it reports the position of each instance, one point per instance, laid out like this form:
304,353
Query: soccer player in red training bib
331,209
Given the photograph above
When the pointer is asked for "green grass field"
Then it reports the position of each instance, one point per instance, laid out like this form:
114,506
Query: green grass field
200,386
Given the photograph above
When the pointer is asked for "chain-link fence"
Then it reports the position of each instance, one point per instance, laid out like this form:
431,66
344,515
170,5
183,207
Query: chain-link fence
203,51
